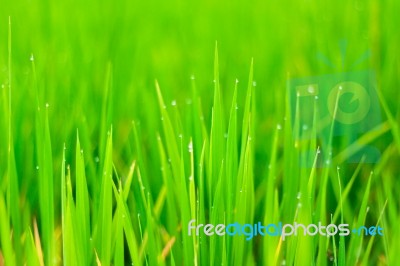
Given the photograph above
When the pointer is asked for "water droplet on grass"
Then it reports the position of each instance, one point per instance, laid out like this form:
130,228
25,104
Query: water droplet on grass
32,58
190,147
37,167
173,103
254,83
279,127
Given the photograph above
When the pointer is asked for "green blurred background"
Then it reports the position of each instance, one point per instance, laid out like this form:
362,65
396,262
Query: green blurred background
74,42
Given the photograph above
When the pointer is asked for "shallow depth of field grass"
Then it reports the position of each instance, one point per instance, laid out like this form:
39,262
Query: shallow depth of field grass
122,121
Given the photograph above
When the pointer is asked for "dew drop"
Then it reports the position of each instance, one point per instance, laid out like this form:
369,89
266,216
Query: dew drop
37,167
298,195
237,81
47,105
32,58
190,147
311,89
305,127
254,83
173,103
97,159
192,77
279,127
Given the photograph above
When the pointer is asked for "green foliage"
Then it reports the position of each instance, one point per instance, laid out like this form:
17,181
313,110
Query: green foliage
100,165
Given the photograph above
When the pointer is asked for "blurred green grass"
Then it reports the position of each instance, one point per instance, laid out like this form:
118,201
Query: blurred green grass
89,52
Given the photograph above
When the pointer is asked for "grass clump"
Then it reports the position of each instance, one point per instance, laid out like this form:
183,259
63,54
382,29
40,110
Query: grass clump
102,165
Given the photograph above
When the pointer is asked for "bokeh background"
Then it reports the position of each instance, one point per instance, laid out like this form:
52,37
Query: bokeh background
74,45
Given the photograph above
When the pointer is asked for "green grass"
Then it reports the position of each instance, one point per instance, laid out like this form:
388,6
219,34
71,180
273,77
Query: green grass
121,122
